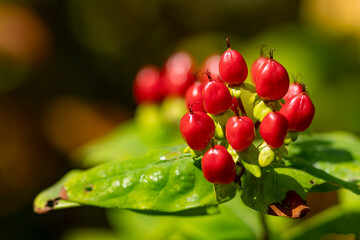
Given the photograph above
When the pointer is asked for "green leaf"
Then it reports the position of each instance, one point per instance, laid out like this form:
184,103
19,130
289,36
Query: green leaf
163,181
320,162
275,183
49,199
333,157
249,159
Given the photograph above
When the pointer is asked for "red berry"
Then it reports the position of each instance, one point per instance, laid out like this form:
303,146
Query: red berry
218,166
240,132
232,67
272,80
299,111
256,66
211,66
193,97
273,129
216,96
148,85
178,75
294,89
197,129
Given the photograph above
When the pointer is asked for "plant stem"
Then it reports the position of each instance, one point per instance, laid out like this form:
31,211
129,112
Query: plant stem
241,106
257,125
265,234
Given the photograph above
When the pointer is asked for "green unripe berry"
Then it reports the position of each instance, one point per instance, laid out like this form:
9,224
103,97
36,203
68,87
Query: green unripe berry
266,156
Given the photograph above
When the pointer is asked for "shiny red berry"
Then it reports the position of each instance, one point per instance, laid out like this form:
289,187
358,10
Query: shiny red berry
211,67
256,66
272,80
218,166
148,85
232,67
216,96
177,74
197,129
294,89
193,97
273,129
299,111
240,132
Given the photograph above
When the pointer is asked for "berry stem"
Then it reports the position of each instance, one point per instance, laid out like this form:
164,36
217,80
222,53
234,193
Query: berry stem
190,108
237,111
241,106
304,86
228,42
212,142
262,49
271,53
208,74
257,125
272,105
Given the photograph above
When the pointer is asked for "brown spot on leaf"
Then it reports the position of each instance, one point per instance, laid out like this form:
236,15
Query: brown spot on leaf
50,204
291,207
312,182
63,194
88,188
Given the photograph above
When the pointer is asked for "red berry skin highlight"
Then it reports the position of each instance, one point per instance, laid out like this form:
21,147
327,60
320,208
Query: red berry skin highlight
148,85
232,68
218,166
193,97
177,74
256,66
272,81
294,89
216,96
197,129
240,132
273,129
299,111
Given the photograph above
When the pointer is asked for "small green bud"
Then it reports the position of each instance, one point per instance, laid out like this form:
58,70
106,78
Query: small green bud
266,156
262,108
235,91
287,140
219,132
291,137
220,121
233,153
187,150
294,136
196,154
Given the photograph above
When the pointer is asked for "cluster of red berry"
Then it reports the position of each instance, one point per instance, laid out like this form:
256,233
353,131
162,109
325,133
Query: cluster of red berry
153,84
214,127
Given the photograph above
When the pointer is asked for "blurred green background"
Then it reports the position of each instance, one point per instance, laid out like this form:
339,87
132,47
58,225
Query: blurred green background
66,72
